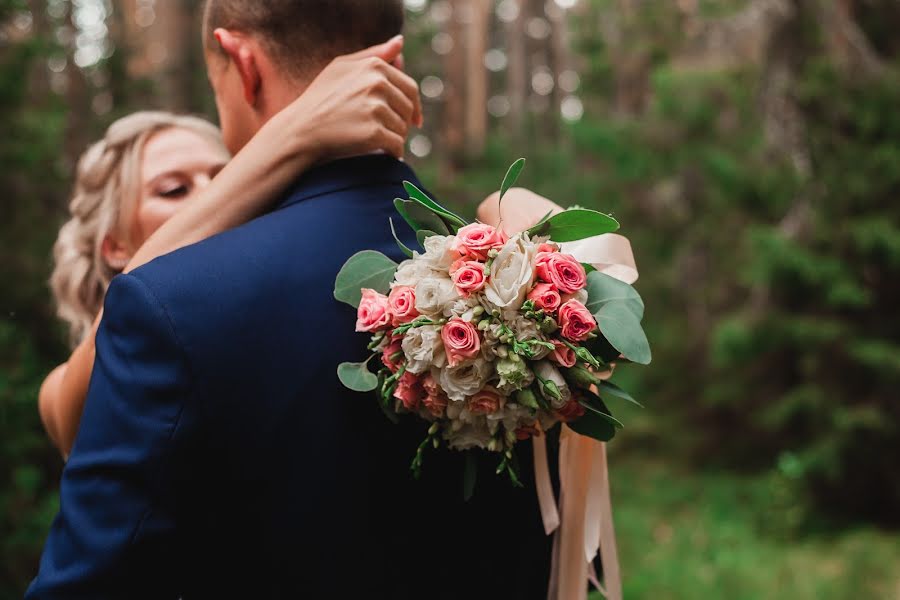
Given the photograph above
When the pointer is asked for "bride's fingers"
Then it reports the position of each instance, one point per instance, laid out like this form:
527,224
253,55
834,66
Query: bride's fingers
389,141
391,120
388,51
399,102
410,88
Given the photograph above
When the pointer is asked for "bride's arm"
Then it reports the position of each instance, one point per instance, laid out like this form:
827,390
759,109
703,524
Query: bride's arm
358,104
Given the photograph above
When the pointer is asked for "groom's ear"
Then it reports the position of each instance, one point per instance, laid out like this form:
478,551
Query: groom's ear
240,50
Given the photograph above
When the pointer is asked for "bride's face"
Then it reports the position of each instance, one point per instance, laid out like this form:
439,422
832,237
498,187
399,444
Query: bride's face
176,165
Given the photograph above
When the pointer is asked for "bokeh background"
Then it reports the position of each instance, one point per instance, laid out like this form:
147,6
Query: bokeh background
751,149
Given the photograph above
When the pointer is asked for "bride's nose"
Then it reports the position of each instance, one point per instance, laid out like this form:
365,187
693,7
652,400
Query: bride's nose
201,180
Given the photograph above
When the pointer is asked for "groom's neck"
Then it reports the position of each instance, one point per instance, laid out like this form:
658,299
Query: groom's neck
279,95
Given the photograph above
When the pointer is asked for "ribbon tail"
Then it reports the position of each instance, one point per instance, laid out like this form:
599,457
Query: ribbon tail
546,499
573,569
609,554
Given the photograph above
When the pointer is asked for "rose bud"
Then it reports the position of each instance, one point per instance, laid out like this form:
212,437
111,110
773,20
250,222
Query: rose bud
562,270
461,341
576,323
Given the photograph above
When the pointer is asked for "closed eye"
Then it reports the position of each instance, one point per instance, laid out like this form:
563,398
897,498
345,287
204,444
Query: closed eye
174,192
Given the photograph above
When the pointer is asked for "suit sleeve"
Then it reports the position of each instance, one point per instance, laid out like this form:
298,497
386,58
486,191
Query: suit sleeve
114,534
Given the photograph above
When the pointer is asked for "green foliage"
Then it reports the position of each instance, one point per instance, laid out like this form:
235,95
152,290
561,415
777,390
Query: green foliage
364,270
688,534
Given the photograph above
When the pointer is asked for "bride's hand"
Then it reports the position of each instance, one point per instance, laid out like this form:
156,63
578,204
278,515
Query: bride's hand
360,103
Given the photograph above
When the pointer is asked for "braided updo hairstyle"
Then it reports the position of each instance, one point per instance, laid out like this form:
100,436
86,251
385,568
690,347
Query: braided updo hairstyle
104,202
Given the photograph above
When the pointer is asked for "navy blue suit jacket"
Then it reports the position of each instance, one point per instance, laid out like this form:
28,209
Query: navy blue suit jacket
219,456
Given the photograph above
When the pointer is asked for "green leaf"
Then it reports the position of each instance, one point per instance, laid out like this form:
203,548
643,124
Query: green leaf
419,217
511,177
422,235
622,329
594,403
366,269
423,199
607,387
573,225
357,377
470,475
602,288
589,268
403,248
594,426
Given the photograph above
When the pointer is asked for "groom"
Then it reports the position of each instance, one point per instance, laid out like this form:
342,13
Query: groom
218,455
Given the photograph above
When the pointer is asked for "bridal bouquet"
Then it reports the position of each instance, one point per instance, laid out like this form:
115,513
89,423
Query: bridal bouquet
492,338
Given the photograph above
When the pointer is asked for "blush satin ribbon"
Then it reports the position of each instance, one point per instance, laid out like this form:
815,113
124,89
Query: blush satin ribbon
582,520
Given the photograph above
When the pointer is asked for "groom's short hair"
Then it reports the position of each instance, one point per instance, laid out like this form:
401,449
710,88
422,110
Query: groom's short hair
304,35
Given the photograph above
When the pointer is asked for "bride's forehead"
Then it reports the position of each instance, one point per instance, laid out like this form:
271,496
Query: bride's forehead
179,148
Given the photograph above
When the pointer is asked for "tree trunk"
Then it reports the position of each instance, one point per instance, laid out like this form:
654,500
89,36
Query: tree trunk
517,74
477,30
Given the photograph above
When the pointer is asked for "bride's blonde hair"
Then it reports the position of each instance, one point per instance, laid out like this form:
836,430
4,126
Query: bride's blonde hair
107,190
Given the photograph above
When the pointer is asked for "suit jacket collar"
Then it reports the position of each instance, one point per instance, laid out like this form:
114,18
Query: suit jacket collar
347,173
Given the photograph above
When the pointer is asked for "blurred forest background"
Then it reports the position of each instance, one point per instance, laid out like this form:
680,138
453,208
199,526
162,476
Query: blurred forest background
751,149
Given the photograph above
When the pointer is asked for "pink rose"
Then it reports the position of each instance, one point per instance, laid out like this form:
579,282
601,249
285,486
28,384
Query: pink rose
527,431
461,341
389,351
485,402
563,355
548,247
435,399
570,412
562,270
373,313
545,297
409,392
477,239
575,321
402,304
469,278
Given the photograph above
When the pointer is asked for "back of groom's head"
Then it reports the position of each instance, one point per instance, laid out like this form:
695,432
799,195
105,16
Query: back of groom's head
304,35
260,54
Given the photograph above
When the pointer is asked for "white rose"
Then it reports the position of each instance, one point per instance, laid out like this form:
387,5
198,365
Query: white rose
462,308
469,436
423,349
434,295
465,379
411,272
511,275
514,416
438,254
526,329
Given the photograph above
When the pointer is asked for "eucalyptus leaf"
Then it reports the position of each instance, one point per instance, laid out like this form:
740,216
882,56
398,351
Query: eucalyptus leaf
402,246
602,288
622,329
423,199
574,225
594,426
595,404
357,377
611,389
366,269
470,475
511,177
419,217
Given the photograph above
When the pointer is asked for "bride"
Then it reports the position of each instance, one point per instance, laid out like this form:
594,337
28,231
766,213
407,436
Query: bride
157,182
